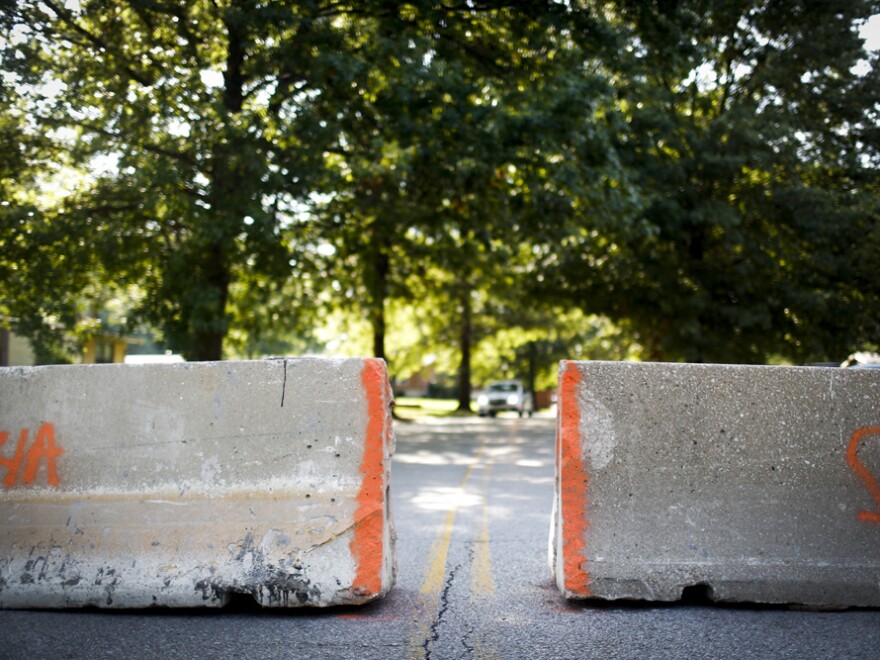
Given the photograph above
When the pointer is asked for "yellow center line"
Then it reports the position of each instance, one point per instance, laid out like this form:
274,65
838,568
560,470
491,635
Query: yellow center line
482,582
432,585
439,550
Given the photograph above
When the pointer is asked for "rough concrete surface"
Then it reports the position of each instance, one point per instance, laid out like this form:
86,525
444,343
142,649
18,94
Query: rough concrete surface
470,503
179,485
755,484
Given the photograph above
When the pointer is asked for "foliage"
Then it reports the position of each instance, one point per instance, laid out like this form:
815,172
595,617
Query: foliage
213,115
36,269
750,141
491,184
535,351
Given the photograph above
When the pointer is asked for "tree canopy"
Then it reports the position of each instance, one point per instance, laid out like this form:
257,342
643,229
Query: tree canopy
749,139
702,174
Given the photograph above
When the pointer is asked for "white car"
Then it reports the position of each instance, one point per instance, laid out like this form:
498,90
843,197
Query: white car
504,395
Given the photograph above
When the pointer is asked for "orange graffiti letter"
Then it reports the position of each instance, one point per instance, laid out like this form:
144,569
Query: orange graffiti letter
863,473
43,447
12,464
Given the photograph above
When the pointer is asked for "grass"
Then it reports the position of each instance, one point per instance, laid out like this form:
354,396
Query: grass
410,408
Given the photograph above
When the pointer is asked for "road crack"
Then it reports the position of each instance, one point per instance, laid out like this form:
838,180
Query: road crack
434,632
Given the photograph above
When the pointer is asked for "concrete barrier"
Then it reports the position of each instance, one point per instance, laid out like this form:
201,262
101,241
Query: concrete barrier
756,484
179,485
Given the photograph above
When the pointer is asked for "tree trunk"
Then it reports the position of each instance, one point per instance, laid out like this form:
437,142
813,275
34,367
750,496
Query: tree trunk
464,343
533,367
376,281
208,320
379,336
209,346
213,322
652,348
381,268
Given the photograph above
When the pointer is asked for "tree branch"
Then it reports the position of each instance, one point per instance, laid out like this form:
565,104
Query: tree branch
99,43
146,146
482,57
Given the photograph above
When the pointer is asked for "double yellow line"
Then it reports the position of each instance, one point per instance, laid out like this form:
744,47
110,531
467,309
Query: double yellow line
482,582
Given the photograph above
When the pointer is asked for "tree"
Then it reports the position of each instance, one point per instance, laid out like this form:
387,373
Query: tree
750,142
39,281
511,150
422,171
220,119
696,171
215,115
530,347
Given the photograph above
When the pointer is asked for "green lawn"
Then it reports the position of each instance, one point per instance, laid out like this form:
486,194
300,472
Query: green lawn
410,408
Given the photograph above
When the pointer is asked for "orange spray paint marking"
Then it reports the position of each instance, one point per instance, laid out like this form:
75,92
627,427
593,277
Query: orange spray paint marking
862,472
573,483
12,464
368,541
43,448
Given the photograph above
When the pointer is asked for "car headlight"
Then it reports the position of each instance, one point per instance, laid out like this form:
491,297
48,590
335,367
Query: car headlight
482,400
512,399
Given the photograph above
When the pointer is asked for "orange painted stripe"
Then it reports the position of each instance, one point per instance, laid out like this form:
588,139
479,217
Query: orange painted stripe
862,472
367,545
573,483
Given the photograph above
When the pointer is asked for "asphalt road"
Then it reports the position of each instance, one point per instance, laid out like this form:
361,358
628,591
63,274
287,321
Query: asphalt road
472,503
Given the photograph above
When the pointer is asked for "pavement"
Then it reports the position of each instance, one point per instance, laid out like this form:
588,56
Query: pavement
471,500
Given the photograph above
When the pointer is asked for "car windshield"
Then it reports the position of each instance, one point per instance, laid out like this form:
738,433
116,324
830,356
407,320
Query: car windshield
502,387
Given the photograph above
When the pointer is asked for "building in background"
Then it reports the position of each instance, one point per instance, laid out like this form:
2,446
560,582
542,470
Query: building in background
15,351
110,344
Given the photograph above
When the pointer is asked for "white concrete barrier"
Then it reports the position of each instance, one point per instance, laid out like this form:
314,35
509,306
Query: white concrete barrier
757,484
179,485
